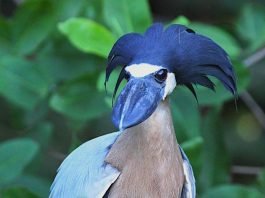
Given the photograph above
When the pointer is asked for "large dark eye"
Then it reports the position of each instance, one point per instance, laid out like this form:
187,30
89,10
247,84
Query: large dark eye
190,31
161,75
127,75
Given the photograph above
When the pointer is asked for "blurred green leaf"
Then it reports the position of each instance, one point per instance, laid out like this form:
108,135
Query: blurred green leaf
29,34
88,36
15,155
79,100
233,191
65,9
32,36
5,29
261,180
251,27
181,20
42,133
185,111
193,149
61,61
220,36
110,86
5,36
192,146
34,184
17,193
215,160
208,97
94,10
126,16
43,73
21,82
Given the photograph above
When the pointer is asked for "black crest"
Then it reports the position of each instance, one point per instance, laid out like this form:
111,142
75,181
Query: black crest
190,56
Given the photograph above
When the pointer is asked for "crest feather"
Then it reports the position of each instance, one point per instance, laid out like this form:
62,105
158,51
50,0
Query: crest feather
190,56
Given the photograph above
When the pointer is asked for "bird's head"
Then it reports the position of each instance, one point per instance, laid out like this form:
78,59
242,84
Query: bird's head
156,62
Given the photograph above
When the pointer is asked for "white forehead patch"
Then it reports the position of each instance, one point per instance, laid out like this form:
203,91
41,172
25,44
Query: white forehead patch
170,84
141,70
144,69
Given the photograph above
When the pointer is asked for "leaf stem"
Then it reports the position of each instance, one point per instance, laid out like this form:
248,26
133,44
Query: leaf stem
254,107
254,58
246,96
245,170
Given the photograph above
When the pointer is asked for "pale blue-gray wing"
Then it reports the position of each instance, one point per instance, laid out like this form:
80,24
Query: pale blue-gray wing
189,188
84,174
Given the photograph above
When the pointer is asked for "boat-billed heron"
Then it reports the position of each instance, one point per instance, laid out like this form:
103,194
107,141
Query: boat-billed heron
144,159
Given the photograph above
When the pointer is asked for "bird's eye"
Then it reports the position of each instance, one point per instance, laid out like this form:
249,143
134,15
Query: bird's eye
161,75
127,76
190,31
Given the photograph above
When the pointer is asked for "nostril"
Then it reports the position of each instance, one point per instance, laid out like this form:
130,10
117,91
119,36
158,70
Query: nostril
142,87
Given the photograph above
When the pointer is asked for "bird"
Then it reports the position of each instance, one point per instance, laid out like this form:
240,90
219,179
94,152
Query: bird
144,159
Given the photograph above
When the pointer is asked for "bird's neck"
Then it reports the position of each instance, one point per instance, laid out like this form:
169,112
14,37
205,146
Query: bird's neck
159,125
157,132
151,152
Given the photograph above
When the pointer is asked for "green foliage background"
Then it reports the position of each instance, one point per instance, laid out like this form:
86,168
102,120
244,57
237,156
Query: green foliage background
52,97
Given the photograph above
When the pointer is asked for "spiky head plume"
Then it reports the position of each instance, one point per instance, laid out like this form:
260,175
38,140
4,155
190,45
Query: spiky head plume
190,56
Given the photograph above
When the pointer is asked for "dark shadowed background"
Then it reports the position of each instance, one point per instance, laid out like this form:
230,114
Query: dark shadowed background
52,97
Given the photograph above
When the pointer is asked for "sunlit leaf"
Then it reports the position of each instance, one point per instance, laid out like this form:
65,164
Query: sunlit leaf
88,36
127,16
15,155
181,20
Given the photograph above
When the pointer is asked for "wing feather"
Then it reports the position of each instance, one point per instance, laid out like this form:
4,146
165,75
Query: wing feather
84,173
189,188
